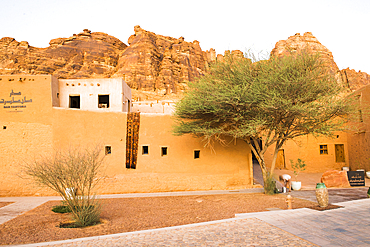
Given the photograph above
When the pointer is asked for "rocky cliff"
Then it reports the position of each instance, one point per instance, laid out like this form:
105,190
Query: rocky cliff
85,55
153,63
355,80
161,64
350,78
154,66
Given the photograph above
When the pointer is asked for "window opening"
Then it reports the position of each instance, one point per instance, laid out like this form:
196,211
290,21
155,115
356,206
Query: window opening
103,101
108,150
360,116
145,150
323,149
74,102
196,154
4,127
163,151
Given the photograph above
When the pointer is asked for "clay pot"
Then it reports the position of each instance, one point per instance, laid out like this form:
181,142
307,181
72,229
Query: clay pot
322,195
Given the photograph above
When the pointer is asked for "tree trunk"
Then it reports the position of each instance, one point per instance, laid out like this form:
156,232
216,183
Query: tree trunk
261,160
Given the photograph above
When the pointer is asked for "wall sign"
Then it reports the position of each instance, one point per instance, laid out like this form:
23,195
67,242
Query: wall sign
356,178
15,102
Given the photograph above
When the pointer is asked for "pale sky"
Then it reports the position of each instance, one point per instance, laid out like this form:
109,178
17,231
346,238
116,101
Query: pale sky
342,26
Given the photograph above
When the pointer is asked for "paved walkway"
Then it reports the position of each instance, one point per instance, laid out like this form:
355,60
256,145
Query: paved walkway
21,205
348,226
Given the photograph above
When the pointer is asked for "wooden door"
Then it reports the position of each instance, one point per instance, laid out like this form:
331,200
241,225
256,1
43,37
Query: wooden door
280,160
339,153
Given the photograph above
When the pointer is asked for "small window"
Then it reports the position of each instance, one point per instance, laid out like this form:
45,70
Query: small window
163,151
323,149
145,150
103,101
196,154
74,102
360,116
108,150
4,127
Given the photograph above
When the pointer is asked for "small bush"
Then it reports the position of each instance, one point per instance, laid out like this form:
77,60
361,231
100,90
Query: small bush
270,185
73,174
88,215
61,209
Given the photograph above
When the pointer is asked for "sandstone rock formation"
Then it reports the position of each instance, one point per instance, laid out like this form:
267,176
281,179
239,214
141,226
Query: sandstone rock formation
355,80
333,178
154,63
85,55
310,43
350,78
154,66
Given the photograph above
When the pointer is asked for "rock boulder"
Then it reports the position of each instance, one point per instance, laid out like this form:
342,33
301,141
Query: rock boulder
333,178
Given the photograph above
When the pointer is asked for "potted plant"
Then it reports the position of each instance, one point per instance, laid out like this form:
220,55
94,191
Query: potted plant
297,168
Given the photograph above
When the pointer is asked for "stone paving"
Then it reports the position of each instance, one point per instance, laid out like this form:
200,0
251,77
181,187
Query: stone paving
347,226
335,195
232,232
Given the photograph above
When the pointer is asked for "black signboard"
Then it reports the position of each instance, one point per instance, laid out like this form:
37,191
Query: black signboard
356,178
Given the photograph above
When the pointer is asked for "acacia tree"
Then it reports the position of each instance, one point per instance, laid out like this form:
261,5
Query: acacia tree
270,100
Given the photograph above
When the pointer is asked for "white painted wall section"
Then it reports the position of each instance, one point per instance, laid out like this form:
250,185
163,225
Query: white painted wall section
90,89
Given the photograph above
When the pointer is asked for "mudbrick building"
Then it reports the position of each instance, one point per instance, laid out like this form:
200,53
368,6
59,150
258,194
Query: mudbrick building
40,114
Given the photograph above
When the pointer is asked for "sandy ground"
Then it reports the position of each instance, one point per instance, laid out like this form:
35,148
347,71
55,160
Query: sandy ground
3,204
133,214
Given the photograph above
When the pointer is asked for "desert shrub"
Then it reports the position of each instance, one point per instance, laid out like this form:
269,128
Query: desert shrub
61,209
270,185
73,174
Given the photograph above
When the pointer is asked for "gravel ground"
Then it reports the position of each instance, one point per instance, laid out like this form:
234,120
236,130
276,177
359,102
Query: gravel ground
133,214
3,204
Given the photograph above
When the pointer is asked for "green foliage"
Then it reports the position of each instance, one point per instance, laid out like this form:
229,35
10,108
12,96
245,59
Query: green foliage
61,209
270,100
298,167
73,174
270,185
88,215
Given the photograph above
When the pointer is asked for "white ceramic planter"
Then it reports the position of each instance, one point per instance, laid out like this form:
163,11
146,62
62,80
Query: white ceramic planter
368,174
296,185
345,168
